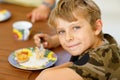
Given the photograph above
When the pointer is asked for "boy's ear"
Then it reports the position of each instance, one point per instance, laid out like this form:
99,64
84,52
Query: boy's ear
98,26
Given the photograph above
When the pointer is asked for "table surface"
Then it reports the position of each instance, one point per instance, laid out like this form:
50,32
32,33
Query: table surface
8,44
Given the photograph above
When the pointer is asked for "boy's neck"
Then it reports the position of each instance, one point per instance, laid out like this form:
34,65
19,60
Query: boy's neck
99,42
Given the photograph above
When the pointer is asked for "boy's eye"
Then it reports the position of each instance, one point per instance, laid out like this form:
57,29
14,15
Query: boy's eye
60,32
76,27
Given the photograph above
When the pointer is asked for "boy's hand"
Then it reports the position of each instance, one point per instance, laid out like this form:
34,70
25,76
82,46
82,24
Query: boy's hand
47,40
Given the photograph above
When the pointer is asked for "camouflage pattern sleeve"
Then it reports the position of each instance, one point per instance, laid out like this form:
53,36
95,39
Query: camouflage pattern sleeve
102,63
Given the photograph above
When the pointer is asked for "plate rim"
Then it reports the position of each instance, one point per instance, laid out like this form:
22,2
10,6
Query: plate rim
8,15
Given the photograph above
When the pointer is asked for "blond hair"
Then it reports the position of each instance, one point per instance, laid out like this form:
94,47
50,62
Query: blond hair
70,10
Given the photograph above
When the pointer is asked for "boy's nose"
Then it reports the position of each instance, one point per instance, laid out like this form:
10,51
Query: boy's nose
69,37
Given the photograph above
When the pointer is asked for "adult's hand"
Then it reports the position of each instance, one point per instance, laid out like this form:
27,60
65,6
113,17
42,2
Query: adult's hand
40,13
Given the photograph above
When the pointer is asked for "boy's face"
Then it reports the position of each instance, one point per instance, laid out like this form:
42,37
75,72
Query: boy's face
76,37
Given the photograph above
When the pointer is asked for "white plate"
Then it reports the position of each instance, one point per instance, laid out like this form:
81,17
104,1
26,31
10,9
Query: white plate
48,60
4,15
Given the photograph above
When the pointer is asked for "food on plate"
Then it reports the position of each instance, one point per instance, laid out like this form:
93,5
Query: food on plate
23,55
32,58
39,53
37,60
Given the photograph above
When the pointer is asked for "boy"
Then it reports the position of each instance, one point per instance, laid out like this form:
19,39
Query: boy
95,56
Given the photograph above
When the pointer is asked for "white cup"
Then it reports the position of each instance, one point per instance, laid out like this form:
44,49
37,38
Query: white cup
21,30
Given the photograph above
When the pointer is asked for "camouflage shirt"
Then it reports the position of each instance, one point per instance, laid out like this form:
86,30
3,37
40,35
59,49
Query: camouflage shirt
101,63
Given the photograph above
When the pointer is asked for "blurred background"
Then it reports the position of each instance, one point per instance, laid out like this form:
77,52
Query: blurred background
29,3
111,17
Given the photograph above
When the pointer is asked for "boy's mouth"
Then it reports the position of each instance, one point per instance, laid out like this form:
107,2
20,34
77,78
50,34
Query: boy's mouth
73,46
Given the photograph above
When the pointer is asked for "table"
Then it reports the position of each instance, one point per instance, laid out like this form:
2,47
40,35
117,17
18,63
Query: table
9,44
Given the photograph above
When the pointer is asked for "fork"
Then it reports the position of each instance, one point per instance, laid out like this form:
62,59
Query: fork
41,45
